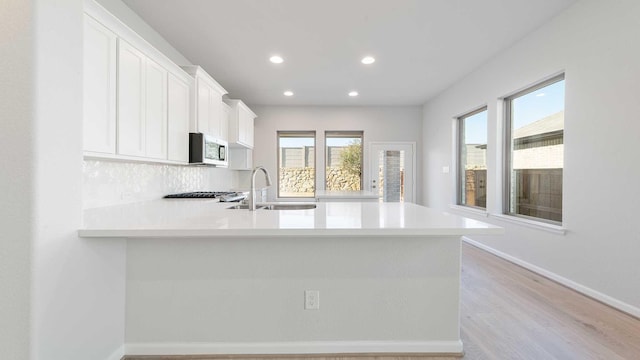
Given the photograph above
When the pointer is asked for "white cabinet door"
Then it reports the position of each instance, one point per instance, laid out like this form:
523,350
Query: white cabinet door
178,119
215,117
131,98
242,126
203,106
209,108
224,122
208,116
248,129
241,121
155,110
99,81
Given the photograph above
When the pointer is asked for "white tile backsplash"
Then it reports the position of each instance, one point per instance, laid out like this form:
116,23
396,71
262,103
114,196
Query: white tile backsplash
108,183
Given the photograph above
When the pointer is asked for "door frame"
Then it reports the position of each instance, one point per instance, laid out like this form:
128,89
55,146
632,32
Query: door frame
367,160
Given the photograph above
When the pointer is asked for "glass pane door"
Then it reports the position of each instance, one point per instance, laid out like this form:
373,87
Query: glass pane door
391,171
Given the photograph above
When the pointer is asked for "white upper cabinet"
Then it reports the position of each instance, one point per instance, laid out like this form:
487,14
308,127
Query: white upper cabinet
179,113
131,100
208,116
99,77
138,105
241,120
142,104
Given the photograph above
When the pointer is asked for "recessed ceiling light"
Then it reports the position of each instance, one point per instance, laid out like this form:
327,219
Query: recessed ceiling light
540,94
276,59
353,93
368,60
288,93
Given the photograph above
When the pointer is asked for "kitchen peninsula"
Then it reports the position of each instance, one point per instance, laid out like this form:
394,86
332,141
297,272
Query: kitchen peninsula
204,279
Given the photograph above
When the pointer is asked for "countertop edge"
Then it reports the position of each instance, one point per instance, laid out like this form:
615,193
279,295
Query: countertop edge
280,233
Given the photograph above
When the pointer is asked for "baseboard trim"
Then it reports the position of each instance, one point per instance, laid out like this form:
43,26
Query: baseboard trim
596,295
118,354
451,348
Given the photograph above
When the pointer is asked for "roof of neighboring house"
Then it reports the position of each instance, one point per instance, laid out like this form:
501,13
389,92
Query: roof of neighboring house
548,124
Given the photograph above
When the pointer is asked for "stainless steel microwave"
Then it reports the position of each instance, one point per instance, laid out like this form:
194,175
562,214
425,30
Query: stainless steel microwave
207,150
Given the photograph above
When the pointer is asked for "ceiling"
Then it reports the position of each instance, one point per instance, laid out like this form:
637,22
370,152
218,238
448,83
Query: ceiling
421,46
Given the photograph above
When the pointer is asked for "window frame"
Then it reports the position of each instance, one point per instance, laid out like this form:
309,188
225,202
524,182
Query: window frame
508,151
346,133
292,133
460,126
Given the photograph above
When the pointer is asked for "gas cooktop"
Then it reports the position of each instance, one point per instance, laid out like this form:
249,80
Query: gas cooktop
225,196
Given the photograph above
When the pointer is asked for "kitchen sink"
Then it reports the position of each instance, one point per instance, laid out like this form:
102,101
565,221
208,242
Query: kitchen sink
275,207
244,207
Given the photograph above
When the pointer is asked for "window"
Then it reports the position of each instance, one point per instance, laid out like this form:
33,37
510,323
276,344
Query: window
535,151
296,164
472,159
343,160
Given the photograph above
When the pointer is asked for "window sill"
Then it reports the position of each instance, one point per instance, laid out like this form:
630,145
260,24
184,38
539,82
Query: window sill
469,210
555,229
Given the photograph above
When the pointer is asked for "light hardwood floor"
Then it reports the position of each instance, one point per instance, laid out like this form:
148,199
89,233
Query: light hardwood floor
508,312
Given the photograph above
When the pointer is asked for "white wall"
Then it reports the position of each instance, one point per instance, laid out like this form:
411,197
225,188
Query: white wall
595,43
16,172
378,123
62,297
78,284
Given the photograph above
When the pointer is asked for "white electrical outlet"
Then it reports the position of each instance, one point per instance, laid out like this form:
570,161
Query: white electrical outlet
445,169
311,300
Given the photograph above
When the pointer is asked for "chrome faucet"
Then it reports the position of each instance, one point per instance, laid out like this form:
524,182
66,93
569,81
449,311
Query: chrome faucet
252,193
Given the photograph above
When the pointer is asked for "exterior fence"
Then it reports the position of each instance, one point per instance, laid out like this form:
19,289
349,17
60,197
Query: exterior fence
476,187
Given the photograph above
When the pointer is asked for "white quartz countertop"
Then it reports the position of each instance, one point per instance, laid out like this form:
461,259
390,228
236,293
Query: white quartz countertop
204,218
345,194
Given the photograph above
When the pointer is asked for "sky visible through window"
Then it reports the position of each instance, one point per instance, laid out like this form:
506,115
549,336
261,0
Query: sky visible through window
527,109
296,141
475,128
538,104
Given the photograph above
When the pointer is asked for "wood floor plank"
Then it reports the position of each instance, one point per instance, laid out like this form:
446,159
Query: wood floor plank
566,324
508,312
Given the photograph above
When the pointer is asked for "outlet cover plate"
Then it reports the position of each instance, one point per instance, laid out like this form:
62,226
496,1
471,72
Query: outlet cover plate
312,300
